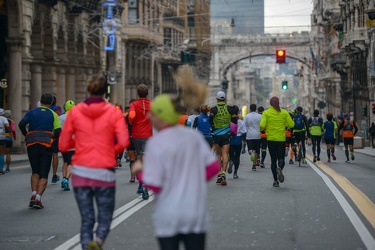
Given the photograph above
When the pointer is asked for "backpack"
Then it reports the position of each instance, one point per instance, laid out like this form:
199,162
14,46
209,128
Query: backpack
298,121
233,129
348,125
315,121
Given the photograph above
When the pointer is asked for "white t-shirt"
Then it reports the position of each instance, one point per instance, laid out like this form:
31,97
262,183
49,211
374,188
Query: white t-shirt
241,129
180,172
3,121
252,121
62,119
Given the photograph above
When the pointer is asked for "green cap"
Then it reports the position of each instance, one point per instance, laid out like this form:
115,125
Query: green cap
68,105
163,108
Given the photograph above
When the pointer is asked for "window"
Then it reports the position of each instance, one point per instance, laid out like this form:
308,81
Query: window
133,11
167,38
191,26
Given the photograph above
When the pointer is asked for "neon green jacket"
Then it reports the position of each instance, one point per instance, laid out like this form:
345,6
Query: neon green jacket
275,122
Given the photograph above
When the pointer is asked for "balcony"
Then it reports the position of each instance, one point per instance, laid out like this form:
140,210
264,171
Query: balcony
140,32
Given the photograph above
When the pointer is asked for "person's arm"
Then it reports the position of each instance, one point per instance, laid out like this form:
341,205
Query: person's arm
22,125
132,113
355,128
121,132
13,129
195,124
307,126
66,139
341,125
335,127
289,122
263,121
212,115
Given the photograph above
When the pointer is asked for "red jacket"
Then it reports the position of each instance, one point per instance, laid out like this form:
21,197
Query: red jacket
142,127
97,132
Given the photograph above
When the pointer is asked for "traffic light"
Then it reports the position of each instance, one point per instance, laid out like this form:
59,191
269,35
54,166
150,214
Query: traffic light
284,85
280,56
224,84
364,111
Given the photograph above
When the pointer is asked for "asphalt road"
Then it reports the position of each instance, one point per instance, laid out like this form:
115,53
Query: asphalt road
319,206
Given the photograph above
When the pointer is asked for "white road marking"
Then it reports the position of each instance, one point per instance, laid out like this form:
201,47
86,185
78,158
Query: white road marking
361,229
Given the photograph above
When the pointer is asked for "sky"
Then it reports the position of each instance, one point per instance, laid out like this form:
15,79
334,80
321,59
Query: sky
287,13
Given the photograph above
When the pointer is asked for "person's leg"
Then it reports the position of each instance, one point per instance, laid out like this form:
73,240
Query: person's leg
272,149
195,241
225,151
372,141
303,144
237,155
318,141
84,197
169,243
346,149
2,153
105,200
8,147
313,139
132,159
351,148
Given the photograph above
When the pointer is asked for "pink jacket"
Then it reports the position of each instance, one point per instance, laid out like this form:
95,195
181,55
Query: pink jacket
97,132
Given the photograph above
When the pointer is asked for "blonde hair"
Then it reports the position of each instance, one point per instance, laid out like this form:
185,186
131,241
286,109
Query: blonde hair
97,84
192,92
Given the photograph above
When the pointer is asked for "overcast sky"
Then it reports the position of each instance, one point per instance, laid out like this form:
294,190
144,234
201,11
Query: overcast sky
287,13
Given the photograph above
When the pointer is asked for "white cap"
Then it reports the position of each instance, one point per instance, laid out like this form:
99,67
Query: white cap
1,111
220,95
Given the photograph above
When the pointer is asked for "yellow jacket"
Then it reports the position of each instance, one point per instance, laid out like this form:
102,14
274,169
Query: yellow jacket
275,122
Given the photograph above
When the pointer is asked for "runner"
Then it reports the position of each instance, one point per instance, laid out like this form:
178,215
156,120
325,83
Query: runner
44,126
315,126
348,134
141,128
220,118
275,120
55,147
236,146
290,141
300,129
202,124
130,150
4,127
330,129
253,137
91,128
66,168
372,134
263,141
10,135
180,209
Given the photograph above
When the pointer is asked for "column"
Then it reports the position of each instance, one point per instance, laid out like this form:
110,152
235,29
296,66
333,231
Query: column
70,92
35,84
80,85
60,87
15,83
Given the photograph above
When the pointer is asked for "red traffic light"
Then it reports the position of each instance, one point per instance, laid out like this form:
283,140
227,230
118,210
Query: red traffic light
280,56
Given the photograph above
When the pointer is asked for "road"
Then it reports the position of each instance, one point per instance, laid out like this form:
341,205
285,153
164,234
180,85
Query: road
319,206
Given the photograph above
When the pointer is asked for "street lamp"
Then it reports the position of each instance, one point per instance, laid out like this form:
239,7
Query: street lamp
3,83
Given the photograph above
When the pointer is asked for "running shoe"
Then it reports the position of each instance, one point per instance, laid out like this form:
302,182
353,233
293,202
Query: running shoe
254,168
235,176
314,160
223,180
230,167
347,161
38,204
63,183
145,194
132,178
280,175
55,179
119,164
353,157
93,245
7,170
258,163
329,160
276,184
318,159
333,156
2,172
66,184
291,162
304,161
32,201
218,180
140,190
261,165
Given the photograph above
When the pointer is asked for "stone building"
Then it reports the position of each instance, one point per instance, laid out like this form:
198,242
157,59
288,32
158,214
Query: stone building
347,52
51,46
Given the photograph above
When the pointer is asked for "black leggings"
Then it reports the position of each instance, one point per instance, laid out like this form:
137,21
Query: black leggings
191,241
316,144
234,155
301,137
277,154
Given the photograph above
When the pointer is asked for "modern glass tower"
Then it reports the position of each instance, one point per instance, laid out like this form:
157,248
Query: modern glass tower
248,15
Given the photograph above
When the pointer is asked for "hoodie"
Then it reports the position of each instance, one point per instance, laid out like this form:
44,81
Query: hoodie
97,131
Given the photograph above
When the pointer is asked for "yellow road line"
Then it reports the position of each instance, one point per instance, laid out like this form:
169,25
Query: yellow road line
364,204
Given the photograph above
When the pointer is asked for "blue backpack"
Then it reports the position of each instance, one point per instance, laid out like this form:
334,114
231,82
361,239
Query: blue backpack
298,121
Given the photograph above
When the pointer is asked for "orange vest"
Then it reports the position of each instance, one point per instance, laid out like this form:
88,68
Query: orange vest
288,133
